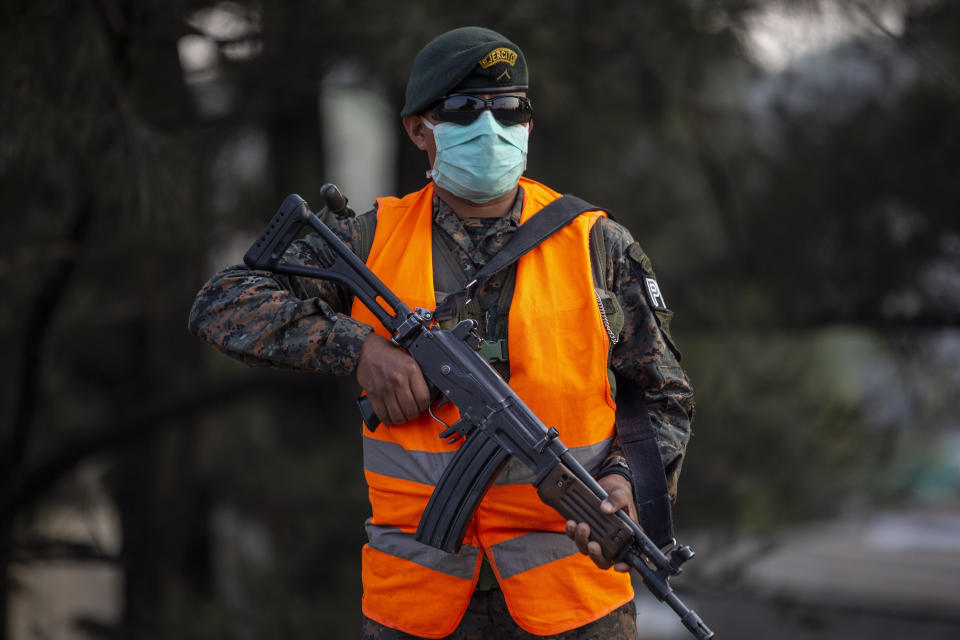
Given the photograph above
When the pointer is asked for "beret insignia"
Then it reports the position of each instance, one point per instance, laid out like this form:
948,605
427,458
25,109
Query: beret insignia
500,54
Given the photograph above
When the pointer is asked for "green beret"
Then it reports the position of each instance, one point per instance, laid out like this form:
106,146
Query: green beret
465,60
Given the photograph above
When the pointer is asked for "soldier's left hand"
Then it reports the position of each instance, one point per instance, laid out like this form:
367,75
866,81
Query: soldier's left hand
620,496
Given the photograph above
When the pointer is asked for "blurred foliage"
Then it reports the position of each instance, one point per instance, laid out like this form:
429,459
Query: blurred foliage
785,421
776,207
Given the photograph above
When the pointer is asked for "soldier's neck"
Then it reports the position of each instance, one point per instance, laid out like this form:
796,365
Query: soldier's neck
496,208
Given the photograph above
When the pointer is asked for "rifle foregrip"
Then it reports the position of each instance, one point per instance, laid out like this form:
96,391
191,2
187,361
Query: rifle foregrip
574,500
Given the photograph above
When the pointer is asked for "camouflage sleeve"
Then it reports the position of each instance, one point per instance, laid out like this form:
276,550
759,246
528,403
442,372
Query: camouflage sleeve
645,352
265,319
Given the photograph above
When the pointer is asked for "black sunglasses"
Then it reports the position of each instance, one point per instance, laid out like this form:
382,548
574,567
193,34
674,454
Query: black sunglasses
463,109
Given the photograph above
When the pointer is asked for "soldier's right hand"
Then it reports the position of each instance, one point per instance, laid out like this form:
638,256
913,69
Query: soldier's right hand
392,380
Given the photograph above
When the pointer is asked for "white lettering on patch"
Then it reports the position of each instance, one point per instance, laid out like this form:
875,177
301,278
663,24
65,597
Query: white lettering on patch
656,296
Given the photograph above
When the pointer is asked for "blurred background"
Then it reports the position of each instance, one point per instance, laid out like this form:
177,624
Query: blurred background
790,167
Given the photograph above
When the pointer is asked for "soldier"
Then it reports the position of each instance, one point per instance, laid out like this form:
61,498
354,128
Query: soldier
572,320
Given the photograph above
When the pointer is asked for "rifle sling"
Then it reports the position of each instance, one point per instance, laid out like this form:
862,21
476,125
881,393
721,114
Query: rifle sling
638,440
542,225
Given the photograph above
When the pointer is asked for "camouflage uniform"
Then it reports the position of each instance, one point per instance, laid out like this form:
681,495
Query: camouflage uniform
300,323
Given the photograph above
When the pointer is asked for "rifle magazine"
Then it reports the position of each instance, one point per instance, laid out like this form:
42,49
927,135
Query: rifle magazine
462,486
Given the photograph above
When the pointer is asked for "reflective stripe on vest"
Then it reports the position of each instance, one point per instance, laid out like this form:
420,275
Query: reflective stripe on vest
558,365
391,459
403,545
530,551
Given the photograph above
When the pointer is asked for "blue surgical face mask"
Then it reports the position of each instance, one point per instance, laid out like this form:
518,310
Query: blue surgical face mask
479,161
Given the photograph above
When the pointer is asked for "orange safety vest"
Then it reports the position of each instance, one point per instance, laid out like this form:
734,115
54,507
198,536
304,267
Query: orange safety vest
558,365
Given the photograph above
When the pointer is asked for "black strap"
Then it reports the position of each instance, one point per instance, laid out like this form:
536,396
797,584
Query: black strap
636,436
639,443
539,227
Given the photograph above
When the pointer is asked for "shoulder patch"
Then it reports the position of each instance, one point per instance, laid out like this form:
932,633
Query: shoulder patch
654,295
650,285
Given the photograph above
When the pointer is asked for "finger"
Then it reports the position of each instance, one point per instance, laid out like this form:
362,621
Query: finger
620,499
615,500
625,502
407,403
393,409
582,538
609,505
421,392
380,409
622,567
596,554
571,529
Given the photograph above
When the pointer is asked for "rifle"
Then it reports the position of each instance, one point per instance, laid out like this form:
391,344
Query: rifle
494,422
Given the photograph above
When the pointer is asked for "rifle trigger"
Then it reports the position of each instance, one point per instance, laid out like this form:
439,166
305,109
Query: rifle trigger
434,416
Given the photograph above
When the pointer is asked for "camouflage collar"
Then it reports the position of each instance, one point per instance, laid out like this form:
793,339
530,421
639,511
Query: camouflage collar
456,228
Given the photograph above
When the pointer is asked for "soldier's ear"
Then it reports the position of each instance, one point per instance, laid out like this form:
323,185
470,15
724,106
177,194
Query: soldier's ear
418,132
